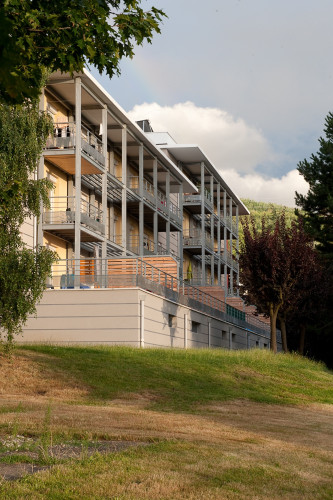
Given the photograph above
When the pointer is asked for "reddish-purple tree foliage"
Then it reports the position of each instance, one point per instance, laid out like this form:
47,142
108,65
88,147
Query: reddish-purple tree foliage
276,266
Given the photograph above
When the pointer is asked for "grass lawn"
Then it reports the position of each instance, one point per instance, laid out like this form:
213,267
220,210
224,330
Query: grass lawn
215,424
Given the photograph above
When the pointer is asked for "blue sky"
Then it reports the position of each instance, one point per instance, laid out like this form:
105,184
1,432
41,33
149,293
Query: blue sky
250,80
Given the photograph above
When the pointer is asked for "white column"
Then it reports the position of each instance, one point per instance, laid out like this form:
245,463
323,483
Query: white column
203,257
104,178
219,232
155,219
180,234
225,252
167,193
141,214
77,202
124,189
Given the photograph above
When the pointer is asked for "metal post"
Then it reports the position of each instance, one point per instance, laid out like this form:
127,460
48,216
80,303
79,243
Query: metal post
209,332
180,234
218,233
104,177
155,216
167,193
225,252
141,214
124,189
77,230
202,188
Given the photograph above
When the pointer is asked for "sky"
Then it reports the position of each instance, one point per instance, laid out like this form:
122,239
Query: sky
249,81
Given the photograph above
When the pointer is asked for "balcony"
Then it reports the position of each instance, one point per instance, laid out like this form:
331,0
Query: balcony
193,201
193,240
149,247
159,200
60,217
60,149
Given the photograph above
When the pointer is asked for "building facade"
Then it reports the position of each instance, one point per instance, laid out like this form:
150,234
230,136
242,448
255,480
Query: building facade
132,209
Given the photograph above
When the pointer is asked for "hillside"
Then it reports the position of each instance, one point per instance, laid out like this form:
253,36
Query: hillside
270,211
165,424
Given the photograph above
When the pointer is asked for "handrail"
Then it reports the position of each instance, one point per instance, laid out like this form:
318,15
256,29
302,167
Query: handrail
91,273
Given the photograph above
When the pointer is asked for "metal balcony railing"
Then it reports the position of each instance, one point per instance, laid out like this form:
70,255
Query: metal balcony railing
193,238
136,272
196,198
64,137
62,211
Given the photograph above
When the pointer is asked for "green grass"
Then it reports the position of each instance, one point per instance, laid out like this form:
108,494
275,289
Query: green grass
177,380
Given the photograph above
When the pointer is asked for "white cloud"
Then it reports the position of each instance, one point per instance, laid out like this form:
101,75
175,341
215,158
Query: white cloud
230,143
273,190
235,148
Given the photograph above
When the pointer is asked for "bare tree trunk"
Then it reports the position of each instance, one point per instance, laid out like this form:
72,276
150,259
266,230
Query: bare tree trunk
284,334
272,316
301,340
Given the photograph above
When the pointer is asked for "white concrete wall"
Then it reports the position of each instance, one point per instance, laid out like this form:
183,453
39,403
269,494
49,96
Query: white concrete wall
112,316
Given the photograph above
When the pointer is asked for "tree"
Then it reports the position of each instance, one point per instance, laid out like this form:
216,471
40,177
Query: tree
317,204
23,271
37,36
274,262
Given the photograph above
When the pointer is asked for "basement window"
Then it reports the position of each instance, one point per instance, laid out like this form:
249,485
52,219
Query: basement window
195,327
172,321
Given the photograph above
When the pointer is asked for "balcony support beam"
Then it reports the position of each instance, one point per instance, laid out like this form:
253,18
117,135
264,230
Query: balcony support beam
104,179
167,194
203,235
180,234
212,229
124,189
77,202
231,249
225,249
155,219
141,213
219,233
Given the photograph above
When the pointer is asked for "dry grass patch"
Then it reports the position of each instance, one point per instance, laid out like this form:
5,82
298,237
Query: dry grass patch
27,374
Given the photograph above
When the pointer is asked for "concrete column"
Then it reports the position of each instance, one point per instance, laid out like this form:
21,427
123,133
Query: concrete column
218,203
77,202
202,188
104,178
155,216
167,193
40,175
124,189
141,207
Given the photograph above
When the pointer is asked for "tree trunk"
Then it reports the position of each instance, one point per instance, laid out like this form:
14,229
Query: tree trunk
273,311
284,334
301,340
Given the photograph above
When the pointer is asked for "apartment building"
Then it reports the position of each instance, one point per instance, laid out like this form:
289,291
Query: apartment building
142,226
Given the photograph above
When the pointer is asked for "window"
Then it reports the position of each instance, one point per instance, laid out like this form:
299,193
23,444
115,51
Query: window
195,327
172,321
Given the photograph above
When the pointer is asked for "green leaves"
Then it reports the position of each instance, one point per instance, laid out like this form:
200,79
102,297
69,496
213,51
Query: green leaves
62,35
23,131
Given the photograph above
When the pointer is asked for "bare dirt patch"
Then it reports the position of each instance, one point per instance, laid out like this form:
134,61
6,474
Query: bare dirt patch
59,452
